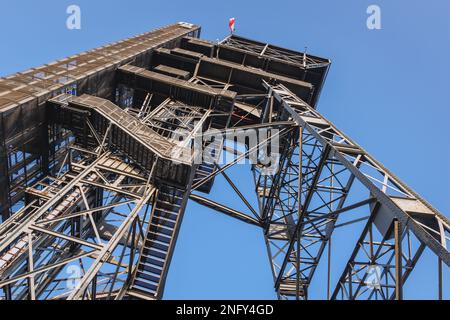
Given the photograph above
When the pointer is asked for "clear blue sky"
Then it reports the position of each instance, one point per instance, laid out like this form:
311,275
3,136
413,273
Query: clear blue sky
388,89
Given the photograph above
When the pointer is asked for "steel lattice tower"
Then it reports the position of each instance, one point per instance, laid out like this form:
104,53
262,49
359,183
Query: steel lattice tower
94,176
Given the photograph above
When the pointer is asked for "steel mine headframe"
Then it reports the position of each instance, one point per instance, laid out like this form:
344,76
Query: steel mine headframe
97,167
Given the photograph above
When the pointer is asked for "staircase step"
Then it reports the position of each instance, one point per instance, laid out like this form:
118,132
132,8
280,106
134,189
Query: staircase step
139,294
161,229
147,276
159,237
145,286
205,170
151,269
163,222
155,253
165,214
148,263
152,261
173,210
170,197
167,205
155,244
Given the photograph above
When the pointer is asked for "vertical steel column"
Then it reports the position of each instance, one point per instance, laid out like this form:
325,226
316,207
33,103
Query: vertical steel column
398,261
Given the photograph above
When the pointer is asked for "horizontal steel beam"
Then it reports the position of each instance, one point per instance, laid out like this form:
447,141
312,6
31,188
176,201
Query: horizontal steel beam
177,89
224,209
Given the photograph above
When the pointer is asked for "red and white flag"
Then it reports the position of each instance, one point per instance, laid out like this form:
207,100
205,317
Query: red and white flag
231,24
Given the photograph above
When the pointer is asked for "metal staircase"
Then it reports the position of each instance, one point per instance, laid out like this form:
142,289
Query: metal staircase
159,242
95,119
206,168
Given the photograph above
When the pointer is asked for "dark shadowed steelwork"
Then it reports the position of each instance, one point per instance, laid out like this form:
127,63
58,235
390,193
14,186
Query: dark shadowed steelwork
99,159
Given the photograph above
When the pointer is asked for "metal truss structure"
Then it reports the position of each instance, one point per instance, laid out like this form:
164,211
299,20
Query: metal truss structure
99,158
